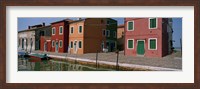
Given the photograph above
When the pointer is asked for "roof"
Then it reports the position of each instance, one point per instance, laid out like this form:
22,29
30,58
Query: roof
67,20
33,29
120,26
78,20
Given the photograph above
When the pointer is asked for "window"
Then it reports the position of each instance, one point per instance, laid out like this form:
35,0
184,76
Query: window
130,44
107,44
53,43
80,29
108,33
152,44
104,32
108,22
72,30
60,43
130,25
53,31
61,30
114,34
152,23
71,44
79,44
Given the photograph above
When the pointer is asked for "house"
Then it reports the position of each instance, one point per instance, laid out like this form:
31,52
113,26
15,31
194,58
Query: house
90,35
120,37
149,37
41,32
26,38
60,36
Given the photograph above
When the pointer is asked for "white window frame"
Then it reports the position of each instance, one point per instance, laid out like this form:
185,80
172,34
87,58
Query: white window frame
59,43
156,23
108,31
127,43
149,43
59,30
115,34
53,28
53,43
79,29
133,26
71,44
81,44
70,30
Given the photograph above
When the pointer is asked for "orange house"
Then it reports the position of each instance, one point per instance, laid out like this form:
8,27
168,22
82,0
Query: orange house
88,35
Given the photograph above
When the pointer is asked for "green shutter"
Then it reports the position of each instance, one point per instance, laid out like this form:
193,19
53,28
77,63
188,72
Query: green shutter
152,44
153,23
79,44
130,43
130,25
80,29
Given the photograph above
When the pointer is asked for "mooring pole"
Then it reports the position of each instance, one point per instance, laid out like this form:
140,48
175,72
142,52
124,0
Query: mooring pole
181,44
117,65
96,59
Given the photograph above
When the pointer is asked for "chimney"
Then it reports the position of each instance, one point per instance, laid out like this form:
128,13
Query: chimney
29,27
43,24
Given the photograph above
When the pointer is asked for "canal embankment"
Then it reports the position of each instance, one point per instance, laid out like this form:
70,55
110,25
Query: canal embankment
108,60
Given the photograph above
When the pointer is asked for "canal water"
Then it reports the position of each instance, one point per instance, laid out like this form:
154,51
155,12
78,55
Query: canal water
54,65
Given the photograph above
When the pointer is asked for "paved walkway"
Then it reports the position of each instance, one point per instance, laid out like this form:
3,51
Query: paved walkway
170,62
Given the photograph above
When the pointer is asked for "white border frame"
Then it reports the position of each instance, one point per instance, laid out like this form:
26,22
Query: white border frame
149,43
184,76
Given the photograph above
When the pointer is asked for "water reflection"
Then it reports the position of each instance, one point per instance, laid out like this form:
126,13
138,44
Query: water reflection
24,64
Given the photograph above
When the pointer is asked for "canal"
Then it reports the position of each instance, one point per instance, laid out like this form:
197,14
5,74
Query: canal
54,65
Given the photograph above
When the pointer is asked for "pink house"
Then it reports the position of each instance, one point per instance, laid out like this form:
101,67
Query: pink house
149,37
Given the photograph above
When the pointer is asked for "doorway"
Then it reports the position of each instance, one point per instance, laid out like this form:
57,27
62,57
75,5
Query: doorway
140,47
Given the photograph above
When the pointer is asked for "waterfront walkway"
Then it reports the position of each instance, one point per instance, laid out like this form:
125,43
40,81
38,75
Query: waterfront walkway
170,62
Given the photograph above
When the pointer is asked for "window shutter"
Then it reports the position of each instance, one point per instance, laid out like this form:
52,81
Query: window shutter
153,44
130,43
130,25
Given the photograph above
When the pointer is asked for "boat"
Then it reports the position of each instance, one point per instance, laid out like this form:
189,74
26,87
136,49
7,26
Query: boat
38,57
23,55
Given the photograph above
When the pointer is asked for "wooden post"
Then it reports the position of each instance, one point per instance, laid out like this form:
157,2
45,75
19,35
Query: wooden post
181,44
96,60
117,65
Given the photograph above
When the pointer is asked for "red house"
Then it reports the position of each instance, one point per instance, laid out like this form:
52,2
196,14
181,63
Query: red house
60,36
149,37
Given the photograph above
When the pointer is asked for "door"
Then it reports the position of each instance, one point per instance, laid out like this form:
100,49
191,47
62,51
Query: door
22,44
45,46
75,47
140,48
56,48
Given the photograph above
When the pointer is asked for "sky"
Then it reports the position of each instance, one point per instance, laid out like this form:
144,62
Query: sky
23,24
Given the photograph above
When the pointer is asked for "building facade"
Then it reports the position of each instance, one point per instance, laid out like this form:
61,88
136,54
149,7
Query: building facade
26,40
120,37
39,32
91,35
149,37
60,36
